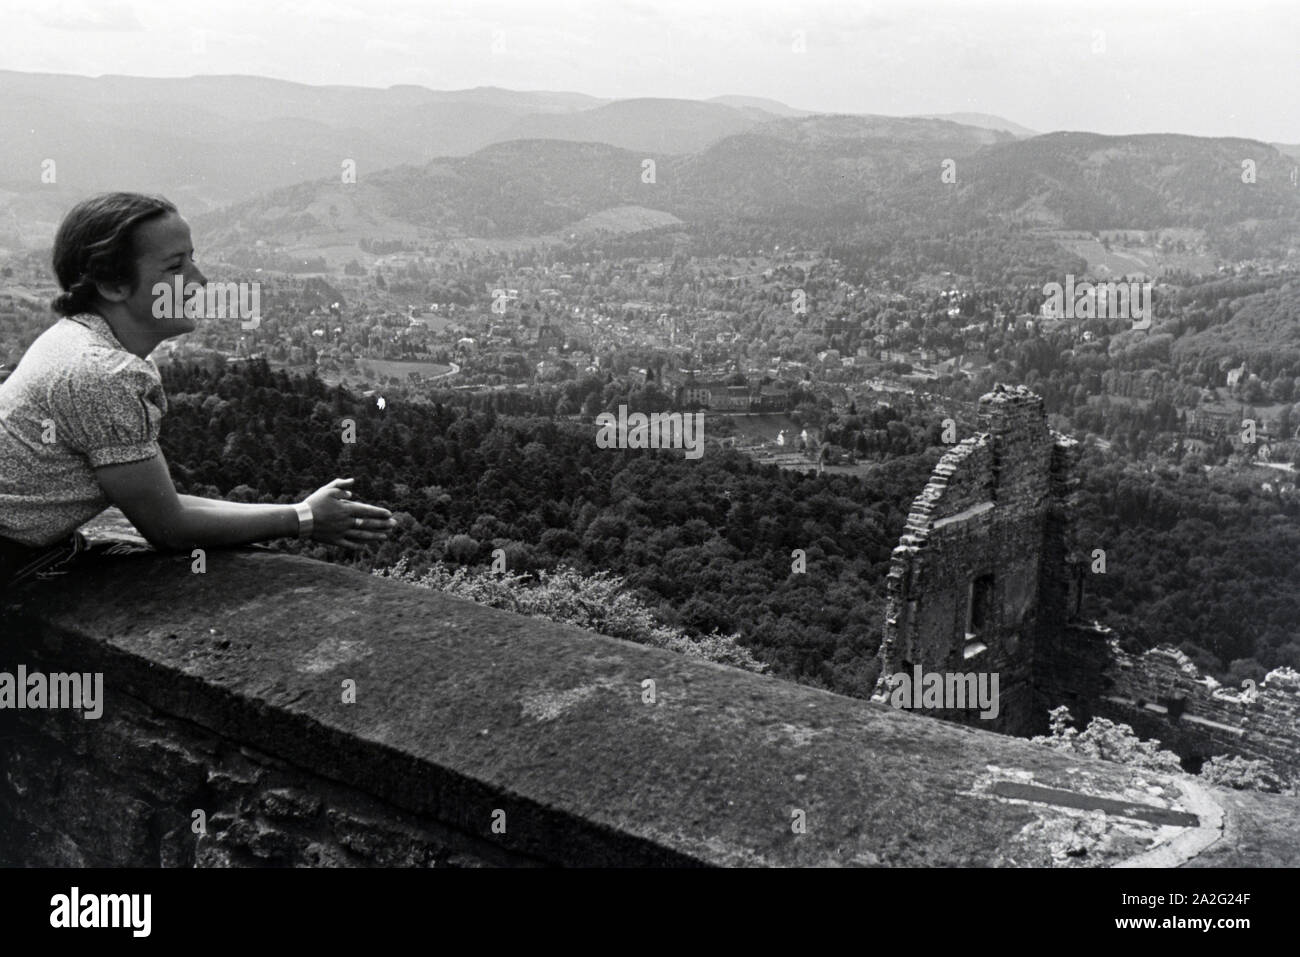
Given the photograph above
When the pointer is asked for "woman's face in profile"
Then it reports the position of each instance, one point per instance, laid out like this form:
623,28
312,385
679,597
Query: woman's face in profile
163,251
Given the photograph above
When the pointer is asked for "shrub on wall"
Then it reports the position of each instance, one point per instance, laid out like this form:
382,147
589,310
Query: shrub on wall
599,603
1116,742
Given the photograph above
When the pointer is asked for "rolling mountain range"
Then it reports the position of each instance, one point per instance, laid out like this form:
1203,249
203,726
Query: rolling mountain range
813,169
264,157
837,173
211,140
208,141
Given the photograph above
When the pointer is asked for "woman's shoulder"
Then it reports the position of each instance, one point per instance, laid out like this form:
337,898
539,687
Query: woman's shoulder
87,348
81,361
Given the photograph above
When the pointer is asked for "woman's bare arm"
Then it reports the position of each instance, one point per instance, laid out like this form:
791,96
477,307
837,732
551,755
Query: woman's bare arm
170,522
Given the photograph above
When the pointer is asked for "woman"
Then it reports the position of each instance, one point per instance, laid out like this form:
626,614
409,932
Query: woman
79,416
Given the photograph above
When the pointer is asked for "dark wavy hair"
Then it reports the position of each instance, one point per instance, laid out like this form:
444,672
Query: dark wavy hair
96,243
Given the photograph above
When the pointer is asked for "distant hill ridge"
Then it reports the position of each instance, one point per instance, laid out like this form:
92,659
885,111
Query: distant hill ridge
827,170
493,162
213,140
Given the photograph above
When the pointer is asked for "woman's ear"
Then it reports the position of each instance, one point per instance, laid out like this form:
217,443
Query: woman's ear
114,292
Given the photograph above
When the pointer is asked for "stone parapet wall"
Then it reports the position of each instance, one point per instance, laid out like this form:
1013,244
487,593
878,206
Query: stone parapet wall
276,711
475,737
143,788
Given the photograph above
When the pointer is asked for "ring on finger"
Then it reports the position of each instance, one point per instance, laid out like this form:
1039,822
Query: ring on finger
357,521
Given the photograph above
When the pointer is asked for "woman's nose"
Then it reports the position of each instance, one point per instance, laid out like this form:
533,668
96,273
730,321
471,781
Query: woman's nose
198,277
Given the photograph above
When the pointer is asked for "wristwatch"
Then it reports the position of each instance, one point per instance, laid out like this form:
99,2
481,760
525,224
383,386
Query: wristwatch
305,519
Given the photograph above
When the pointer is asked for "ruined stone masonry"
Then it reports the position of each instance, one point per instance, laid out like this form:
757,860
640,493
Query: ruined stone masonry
1161,694
986,578
979,575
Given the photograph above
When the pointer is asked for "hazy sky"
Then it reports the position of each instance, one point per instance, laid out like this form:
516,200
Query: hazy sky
1205,67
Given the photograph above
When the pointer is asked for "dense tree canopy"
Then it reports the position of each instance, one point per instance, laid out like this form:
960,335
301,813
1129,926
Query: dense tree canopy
707,544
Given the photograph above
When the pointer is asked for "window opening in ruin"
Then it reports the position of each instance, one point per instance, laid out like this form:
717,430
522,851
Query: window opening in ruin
978,615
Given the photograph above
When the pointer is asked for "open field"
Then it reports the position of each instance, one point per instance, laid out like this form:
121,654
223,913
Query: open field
1141,256
401,368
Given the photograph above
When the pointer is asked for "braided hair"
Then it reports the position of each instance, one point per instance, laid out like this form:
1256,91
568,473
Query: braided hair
95,243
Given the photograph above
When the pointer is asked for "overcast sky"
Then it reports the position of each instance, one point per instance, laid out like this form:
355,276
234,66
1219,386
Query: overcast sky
1204,67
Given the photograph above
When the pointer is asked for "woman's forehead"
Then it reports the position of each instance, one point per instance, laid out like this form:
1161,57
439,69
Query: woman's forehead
165,236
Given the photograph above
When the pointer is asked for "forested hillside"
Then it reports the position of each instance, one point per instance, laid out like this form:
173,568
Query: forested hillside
1208,566
708,543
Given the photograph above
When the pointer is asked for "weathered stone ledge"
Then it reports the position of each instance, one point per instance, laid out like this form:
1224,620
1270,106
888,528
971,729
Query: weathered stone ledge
224,694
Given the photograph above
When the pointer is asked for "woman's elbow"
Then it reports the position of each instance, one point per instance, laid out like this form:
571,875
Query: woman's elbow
167,537
166,542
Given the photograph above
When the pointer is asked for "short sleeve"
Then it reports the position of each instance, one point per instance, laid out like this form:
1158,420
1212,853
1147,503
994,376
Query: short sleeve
113,415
